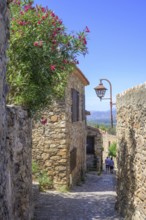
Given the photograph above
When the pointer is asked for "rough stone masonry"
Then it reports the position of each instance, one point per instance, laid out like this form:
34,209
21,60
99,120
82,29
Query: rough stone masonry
15,143
18,144
61,138
4,36
131,135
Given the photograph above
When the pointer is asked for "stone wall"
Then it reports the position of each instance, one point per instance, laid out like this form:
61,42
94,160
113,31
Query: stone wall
15,143
4,35
76,135
131,135
108,139
53,142
50,148
19,189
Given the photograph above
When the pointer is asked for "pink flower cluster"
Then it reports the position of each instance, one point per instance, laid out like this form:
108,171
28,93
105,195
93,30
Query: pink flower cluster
83,40
22,12
56,18
27,7
43,9
87,30
38,43
43,120
52,67
56,34
51,14
23,23
65,61
17,2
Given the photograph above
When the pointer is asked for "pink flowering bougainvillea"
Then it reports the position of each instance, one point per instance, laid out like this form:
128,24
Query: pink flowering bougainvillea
41,54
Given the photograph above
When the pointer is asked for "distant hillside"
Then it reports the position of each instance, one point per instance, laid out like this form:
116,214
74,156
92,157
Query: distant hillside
101,117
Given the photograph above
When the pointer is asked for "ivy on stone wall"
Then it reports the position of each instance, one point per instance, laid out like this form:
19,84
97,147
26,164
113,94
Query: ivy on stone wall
41,53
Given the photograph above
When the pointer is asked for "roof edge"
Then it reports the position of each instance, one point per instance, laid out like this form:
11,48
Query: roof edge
81,76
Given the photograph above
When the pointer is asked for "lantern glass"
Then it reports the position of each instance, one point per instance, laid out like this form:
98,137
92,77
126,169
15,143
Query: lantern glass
100,91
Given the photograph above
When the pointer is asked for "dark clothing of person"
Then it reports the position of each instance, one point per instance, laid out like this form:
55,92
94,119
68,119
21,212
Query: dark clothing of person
107,164
111,165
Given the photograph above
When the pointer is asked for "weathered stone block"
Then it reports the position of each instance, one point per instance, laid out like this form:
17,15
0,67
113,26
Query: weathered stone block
19,163
131,184
5,180
54,118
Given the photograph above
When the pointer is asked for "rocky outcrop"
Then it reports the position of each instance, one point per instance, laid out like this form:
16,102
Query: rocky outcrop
131,135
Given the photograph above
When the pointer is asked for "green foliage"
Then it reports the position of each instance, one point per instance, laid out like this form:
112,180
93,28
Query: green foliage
113,149
41,54
35,168
63,189
45,182
103,127
111,131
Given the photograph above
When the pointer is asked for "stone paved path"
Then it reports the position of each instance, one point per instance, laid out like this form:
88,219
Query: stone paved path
93,200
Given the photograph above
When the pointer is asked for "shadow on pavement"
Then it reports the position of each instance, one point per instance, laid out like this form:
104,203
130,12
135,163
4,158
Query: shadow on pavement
93,200
64,207
94,183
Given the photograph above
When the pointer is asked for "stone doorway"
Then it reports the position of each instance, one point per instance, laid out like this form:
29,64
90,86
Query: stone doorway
90,154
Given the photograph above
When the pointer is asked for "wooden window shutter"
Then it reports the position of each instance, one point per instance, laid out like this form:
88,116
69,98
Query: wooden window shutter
83,107
72,106
75,105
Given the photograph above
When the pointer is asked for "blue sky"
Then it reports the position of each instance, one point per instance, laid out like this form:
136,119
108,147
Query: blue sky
116,43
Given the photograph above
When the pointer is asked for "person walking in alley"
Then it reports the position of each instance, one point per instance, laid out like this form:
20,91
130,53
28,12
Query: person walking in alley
111,164
107,164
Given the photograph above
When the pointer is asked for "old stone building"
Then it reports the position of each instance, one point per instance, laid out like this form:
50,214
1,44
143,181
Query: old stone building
59,146
108,139
94,149
131,135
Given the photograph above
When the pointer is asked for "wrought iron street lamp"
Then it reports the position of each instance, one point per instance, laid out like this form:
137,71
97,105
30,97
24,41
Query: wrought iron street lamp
100,91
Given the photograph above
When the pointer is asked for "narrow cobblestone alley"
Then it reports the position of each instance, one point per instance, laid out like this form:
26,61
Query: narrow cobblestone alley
93,200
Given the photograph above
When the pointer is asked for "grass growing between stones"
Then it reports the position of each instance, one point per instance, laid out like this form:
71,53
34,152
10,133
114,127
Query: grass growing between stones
41,176
45,181
35,169
63,189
